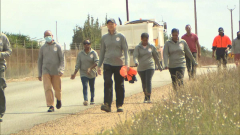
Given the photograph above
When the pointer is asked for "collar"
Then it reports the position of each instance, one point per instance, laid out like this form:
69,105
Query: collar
91,50
188,35
52,43
142,45
221,36
173,41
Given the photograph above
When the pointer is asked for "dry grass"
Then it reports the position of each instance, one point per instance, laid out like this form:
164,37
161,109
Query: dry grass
208,105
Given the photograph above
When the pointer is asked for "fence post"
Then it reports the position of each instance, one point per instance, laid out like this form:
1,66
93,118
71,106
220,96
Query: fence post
25,55
32,60
17,61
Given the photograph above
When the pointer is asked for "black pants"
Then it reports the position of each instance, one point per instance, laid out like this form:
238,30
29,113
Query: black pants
191,68
177,75
108,84
146,78
2,95
221,58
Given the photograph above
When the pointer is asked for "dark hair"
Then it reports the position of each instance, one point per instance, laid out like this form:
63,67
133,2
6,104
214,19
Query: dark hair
175,30
145,35
87,41
187,25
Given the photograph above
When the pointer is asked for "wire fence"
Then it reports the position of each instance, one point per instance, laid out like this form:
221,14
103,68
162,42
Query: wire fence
23,62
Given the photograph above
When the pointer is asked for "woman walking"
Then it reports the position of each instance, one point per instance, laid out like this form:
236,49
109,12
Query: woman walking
174,58
87,60
145,55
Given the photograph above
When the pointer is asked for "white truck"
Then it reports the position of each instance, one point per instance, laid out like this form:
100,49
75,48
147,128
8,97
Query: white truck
133,30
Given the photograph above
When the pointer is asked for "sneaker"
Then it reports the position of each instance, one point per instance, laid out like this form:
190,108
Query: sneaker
145,99
149,101
92,103
119,109
51,109
105,107
85,103
59,104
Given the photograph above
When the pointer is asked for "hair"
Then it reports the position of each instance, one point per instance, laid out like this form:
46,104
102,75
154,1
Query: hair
144,35
175,30
187,25
86,40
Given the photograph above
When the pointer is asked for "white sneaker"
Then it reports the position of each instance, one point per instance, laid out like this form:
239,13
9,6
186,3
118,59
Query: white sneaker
85,103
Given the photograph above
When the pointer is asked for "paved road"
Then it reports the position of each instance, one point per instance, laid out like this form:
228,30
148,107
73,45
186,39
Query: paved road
26,105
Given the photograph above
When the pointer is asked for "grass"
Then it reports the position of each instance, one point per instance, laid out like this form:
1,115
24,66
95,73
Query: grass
208,105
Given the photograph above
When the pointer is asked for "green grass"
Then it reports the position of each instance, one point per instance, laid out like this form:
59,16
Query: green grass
208,105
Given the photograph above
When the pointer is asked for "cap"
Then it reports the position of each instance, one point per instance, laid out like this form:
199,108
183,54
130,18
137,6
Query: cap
86,42
111,20
220,29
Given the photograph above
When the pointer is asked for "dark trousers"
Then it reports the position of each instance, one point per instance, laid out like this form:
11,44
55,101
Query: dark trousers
85,82
222,58
108,84
2,95
146,78
177,75
191,68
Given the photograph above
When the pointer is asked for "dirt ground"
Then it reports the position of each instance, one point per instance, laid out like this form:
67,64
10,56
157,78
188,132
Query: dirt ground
93,120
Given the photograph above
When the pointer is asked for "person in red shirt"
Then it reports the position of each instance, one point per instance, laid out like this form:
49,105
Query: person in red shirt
221,44
194,46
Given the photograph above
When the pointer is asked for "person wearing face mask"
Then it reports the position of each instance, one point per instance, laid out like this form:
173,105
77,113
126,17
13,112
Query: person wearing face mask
87,61
50,70
236,49
174,53
145,56
221,44
5,52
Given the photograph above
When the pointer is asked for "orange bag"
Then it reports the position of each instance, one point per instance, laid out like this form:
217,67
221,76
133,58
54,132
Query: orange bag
132,72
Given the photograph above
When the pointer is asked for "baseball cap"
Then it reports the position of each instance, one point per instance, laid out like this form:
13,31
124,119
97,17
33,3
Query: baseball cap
220,29
86,42
111,20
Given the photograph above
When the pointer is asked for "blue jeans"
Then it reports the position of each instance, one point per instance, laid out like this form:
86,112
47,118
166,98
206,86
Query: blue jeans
85,81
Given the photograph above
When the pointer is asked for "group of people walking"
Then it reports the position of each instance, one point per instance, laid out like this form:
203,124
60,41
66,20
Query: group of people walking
178,53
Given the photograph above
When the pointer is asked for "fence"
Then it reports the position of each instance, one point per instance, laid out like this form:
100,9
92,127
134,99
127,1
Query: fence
23,62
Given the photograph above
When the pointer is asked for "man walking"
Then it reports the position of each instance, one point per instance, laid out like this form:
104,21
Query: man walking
5,51
194,46
236,49
51,68
114,50
222,44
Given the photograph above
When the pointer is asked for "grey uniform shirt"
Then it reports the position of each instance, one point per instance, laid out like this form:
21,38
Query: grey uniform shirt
5,49
146,57
85,61
51,59
236,46
174,53
114,50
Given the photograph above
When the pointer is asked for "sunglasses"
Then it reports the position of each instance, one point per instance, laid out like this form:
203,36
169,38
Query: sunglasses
87,44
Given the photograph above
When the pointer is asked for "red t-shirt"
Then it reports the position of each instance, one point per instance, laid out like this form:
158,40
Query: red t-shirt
191,41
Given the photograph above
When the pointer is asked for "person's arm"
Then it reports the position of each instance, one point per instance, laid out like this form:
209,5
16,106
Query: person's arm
7,50
125,50
166,55
96,60
77,66
189,53
62,61
135,56
156,58
101,57
40,62
229,43
214,47
199,48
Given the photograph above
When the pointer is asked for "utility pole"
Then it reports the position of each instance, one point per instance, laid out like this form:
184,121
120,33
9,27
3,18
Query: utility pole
195,16
239,15
231,19
127,10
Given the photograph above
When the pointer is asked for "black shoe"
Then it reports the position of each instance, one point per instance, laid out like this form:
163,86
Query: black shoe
92,103
119,109
51,109
106,107
59,104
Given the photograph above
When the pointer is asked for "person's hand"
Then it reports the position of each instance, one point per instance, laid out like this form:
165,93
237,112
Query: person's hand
213,56
199,55
99,71
60,74
40,78
127,68
227,50
73,76
89,70
136,64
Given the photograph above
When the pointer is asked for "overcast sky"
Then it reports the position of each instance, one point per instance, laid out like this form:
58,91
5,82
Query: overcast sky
33,17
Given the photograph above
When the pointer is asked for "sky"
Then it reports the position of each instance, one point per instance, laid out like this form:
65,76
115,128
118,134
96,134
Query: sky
33,17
